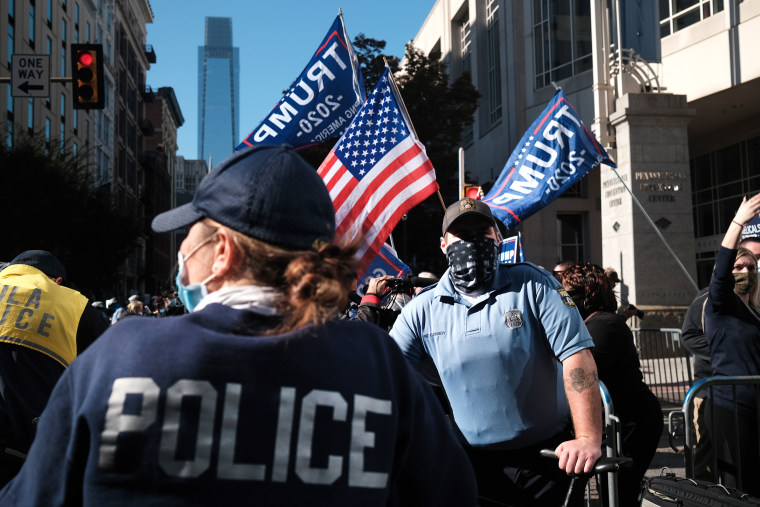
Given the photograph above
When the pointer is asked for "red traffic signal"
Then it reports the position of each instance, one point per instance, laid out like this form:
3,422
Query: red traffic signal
87,76
473,192
85,58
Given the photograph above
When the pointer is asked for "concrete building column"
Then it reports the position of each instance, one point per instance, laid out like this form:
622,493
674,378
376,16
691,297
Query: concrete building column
653,162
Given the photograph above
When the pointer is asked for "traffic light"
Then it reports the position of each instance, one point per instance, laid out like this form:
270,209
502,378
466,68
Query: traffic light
87,75
473,192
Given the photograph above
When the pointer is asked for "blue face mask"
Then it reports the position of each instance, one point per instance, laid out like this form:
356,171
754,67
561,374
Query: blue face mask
192,294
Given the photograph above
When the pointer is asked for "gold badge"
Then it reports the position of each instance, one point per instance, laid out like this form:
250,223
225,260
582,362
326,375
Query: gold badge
466,204
565,296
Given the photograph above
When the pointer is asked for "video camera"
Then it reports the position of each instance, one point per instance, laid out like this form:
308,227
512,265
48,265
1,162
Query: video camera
639,313
408,283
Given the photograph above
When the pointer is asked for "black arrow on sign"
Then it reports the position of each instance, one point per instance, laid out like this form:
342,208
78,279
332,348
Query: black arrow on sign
25,87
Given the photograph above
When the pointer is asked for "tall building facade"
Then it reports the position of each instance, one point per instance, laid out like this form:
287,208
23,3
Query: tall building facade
218,92
47,27
130,144
162,117
683,127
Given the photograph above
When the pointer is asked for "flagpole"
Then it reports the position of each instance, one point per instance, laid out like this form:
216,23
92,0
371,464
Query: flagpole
657,231
408,118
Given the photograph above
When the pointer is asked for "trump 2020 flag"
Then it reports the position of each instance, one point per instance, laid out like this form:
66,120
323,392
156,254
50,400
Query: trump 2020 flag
511,251
322,100
555,152
385,263
377,171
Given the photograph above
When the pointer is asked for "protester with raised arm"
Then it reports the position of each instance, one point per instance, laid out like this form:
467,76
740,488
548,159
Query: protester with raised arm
732,329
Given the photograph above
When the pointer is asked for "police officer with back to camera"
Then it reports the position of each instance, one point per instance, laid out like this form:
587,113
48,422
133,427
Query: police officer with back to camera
44,325
505,338
258,395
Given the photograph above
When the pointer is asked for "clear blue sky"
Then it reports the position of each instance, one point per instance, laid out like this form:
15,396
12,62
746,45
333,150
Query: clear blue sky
276,39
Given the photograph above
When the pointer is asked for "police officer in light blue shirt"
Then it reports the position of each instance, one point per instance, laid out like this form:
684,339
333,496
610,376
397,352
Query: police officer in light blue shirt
511,350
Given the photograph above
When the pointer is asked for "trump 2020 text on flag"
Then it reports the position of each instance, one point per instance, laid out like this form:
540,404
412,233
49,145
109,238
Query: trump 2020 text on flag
322,100
377,171
555,152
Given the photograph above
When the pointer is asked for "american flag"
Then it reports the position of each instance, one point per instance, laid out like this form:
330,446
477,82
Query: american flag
377,171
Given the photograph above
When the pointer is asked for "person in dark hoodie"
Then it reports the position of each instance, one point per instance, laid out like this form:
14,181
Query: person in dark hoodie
732,329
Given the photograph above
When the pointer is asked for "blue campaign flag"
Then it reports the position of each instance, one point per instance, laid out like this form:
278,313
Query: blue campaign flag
321,102
555,152
752,229
385,263
511,251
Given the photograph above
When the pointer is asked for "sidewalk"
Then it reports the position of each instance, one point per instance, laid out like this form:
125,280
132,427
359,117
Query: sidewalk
665,455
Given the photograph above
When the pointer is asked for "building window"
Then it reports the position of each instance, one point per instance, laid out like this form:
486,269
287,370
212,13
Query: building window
577,190
47,135
63,122
494,59
719,180
9,120
677,15
31,24
570,237
11,9
87,32
76,23
63,32
49,13
562,39
465,43
10,43
75,119
49,46
30,115
63,61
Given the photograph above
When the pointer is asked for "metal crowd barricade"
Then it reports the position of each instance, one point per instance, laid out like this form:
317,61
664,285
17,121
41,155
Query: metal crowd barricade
705,386
613,445
665,363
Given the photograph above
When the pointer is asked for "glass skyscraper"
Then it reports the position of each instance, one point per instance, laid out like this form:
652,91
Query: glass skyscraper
218,92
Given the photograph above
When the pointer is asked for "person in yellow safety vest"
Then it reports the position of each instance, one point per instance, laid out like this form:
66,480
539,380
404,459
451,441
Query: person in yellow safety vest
43,326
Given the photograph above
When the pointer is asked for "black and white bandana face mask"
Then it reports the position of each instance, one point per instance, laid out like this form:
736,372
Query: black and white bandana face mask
472,264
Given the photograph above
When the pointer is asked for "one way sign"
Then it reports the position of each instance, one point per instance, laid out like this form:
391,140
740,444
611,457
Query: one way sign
30,75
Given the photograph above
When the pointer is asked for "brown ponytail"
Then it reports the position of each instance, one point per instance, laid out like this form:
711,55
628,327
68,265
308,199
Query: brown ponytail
314,283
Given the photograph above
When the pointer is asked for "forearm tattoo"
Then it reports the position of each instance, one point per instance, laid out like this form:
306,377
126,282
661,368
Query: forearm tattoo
580,380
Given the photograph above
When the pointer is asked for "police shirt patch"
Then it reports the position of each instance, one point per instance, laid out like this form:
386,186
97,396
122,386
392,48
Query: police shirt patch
513,319
565,297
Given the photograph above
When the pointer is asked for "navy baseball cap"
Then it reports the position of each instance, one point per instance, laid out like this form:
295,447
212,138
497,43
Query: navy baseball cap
42,260
266,192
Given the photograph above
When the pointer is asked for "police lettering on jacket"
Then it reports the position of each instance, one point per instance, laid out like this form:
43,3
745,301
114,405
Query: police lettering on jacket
20,311
39,314
195,440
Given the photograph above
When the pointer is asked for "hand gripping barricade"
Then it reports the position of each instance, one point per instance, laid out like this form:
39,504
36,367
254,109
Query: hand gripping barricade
671,490
609,464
